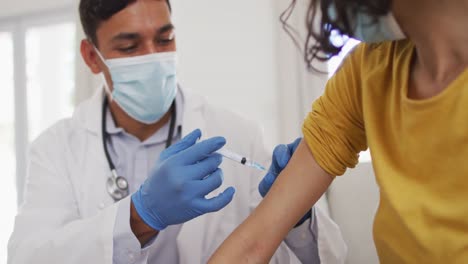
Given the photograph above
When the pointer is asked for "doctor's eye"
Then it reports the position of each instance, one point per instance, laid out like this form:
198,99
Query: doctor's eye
128,49
166,38
165,41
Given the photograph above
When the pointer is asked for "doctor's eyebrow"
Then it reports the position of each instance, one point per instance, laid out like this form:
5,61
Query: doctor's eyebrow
136,36
126,36
165,28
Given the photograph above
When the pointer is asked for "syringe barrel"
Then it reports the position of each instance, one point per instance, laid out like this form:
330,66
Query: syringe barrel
231,155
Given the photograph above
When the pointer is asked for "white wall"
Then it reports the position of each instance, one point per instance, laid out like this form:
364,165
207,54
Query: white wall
19,7
227,53
353,201
298,87
236,53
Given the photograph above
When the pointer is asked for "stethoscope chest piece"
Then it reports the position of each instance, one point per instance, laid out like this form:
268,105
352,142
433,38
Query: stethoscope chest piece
117,187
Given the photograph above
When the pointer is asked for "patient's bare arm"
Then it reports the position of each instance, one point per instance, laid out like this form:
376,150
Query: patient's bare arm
297,188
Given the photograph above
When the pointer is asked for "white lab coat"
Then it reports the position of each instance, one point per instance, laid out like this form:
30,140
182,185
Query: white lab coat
68,216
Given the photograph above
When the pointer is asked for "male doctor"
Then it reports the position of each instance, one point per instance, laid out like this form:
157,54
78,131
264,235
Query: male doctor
126,179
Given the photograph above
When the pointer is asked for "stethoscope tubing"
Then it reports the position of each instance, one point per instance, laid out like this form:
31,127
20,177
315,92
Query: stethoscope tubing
118,185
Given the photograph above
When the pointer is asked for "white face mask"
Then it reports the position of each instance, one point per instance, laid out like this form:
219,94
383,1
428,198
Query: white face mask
143,86
386,28
369,30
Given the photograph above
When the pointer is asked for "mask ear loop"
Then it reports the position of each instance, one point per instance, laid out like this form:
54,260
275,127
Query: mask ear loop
394,26
105,84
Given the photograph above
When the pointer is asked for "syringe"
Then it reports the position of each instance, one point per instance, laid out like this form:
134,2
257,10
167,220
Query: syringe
240,159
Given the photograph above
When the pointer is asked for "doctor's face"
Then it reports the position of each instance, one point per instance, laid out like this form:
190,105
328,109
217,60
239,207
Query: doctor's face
143,27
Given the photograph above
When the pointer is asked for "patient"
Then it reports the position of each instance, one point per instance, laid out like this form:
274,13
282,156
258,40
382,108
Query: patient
405,99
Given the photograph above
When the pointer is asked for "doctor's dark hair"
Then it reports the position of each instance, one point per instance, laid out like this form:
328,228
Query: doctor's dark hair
319,44
93,12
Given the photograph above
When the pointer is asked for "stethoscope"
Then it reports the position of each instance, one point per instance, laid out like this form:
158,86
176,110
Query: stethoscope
117,186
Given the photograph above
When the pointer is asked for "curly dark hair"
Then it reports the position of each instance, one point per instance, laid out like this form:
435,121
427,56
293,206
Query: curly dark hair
319,44
94,12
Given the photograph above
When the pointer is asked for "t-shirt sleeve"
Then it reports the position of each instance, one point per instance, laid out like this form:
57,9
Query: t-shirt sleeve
334,130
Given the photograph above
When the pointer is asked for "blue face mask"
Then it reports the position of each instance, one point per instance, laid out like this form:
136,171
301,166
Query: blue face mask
367,29
143,86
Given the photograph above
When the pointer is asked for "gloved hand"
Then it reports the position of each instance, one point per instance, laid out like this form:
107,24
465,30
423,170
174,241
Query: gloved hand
281,156
175,191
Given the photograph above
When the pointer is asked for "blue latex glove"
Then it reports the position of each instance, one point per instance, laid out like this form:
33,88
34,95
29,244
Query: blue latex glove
175,191
281,156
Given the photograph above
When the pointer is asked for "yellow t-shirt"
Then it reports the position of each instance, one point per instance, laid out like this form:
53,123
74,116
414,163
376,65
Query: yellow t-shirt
419,150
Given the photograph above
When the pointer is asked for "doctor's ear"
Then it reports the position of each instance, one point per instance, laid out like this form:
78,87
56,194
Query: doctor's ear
90,56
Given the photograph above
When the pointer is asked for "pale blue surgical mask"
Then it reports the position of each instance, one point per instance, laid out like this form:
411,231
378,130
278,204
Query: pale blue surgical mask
143,86
370,30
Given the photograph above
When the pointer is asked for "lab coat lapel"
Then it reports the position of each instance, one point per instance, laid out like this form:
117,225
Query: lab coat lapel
90,117
94,126
191,237
90,114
